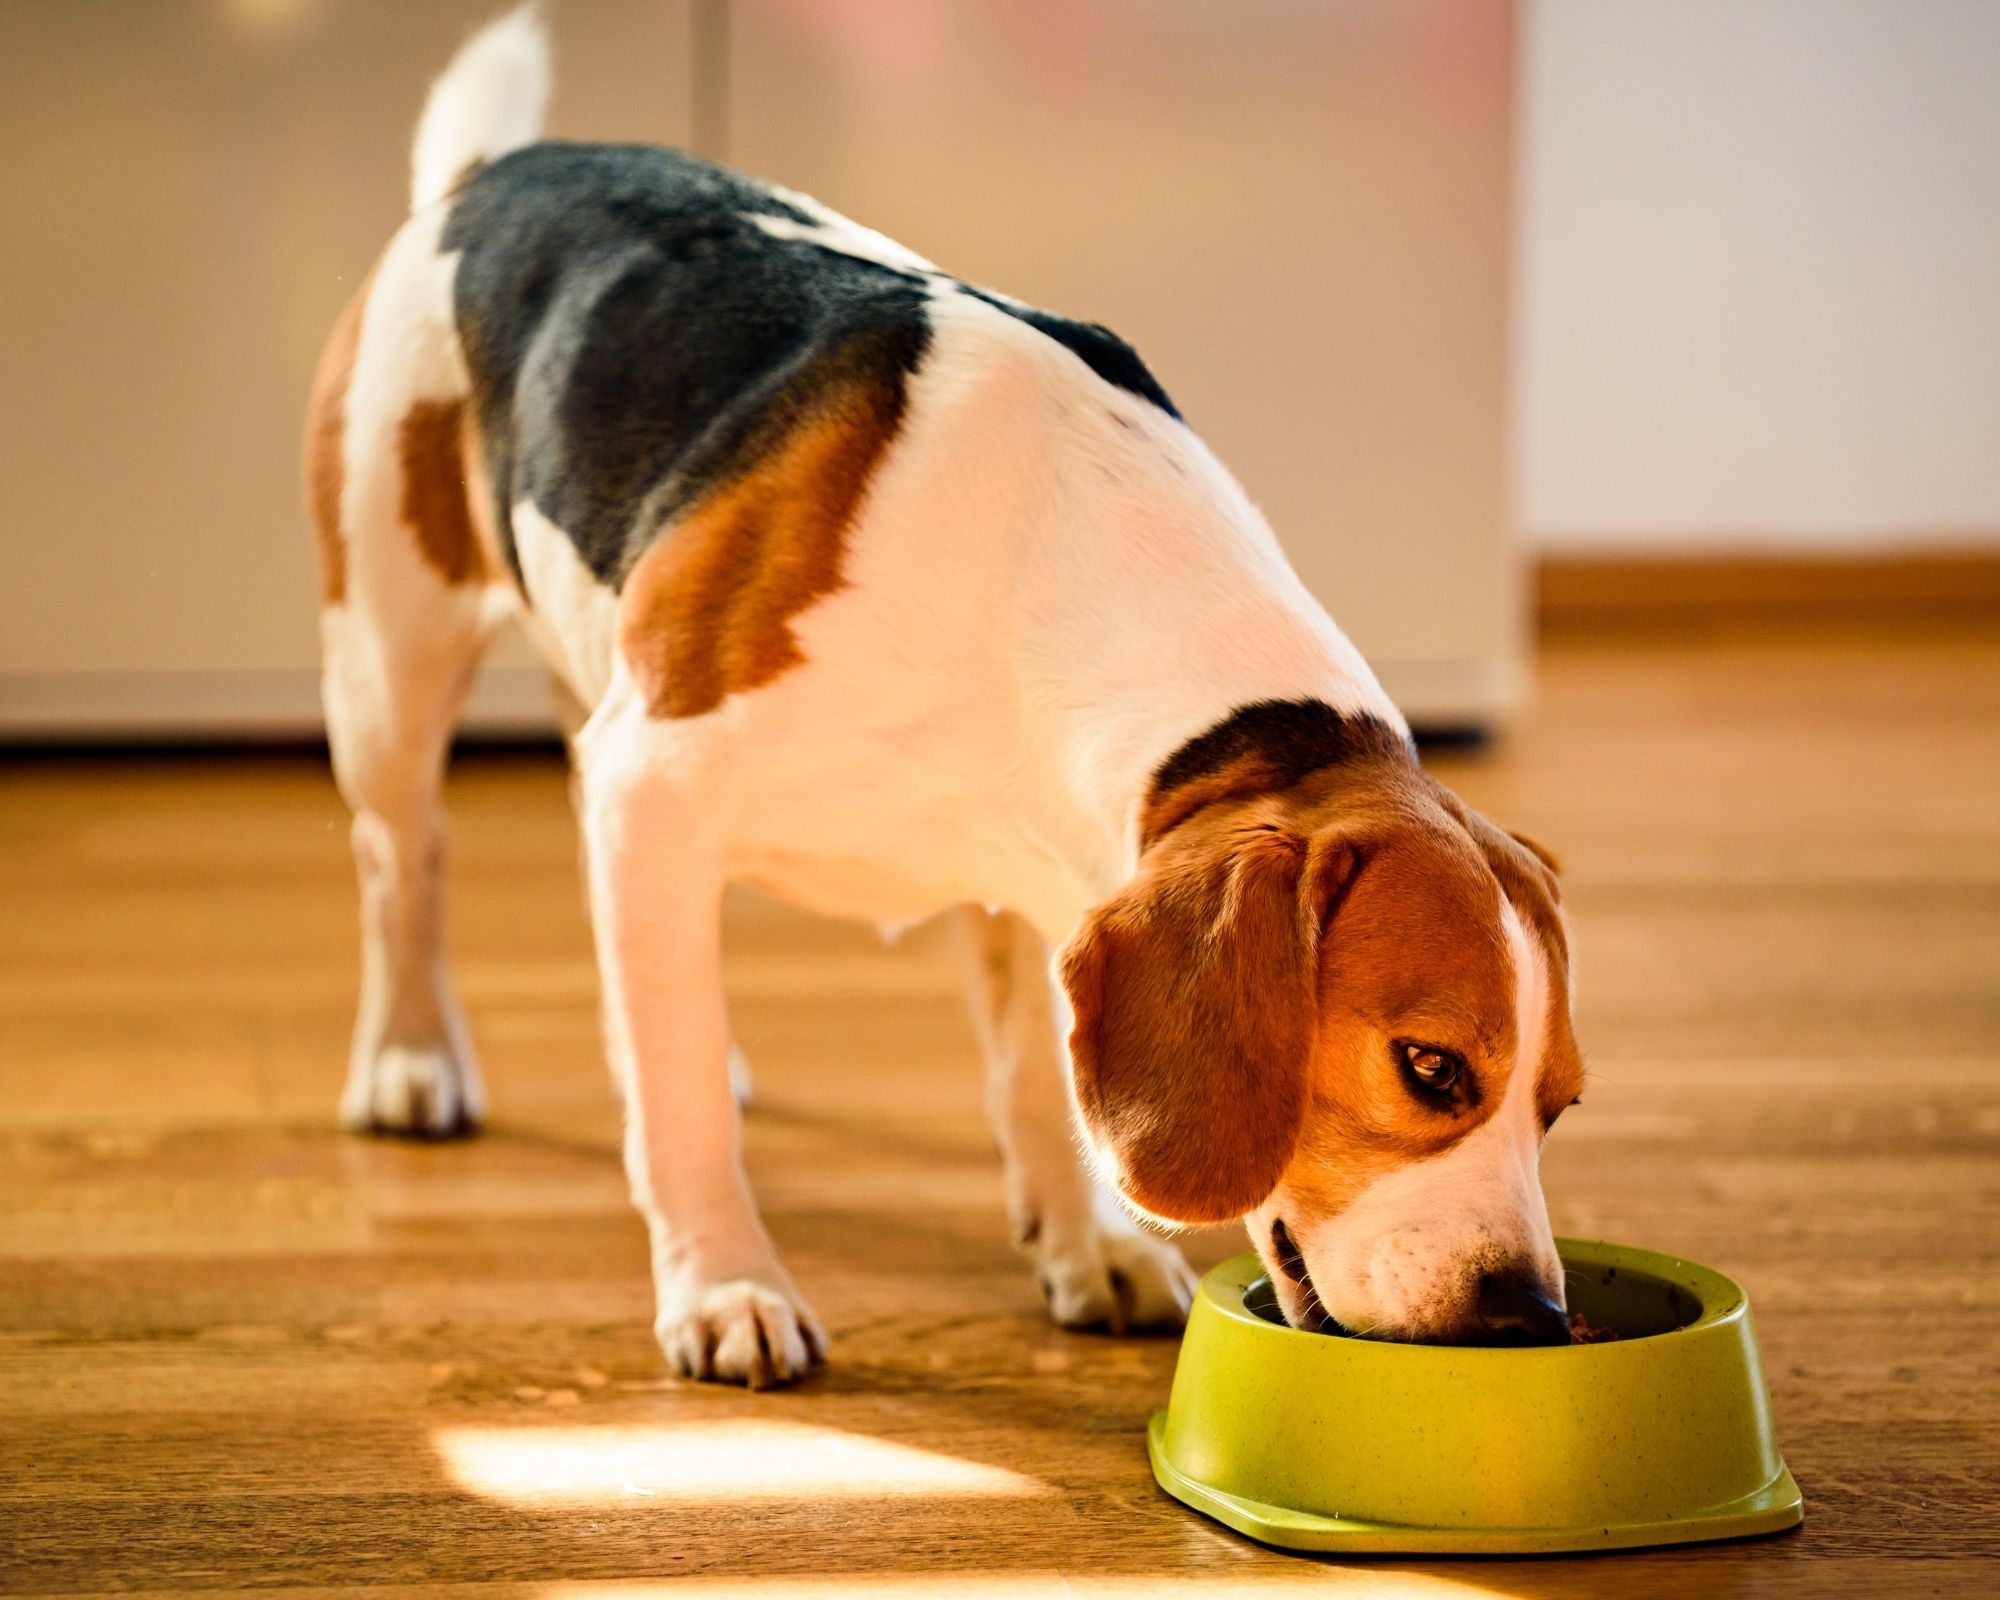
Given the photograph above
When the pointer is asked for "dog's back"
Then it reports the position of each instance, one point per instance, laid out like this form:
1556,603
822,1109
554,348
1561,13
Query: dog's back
637,339
635,346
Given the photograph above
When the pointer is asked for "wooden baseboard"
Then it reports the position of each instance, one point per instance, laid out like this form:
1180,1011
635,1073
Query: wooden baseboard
254,706
1576,590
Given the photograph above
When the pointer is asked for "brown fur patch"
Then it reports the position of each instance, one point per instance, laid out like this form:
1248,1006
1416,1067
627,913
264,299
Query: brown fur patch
1194,999
1420,954
707,610
486,536
430,445
326,431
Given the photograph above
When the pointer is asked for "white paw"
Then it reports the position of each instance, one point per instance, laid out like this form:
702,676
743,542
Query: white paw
425,1092
1114,1277
739,1331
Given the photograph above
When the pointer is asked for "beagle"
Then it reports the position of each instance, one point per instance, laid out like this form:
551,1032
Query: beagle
897,596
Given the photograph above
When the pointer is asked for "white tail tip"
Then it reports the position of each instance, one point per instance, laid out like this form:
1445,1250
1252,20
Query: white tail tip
490,100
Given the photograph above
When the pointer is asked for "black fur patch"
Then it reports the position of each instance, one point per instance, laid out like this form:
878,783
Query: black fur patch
1293,737
629,327
1107,355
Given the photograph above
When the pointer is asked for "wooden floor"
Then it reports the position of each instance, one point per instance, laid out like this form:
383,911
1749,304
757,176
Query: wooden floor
239,1351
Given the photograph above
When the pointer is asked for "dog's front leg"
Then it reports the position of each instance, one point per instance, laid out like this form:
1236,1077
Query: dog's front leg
1097,1268
727,1310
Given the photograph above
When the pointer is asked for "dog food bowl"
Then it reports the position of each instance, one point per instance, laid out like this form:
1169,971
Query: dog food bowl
1320,1442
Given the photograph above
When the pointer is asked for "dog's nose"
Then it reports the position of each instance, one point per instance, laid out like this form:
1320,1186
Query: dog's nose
1516,1311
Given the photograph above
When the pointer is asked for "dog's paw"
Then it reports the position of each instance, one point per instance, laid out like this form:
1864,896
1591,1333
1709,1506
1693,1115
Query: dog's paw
739,1331
1115,1278
418,1092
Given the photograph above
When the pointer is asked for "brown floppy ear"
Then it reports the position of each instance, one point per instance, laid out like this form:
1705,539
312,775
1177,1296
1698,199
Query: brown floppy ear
1196,993
1540,852
1514,857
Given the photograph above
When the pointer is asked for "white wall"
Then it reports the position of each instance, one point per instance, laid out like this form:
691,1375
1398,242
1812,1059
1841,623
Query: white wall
1758,273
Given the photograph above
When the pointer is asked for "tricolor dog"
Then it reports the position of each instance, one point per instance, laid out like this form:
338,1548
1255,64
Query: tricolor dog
897,596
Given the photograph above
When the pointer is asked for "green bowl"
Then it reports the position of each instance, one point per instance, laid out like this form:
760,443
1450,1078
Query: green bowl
1318,1442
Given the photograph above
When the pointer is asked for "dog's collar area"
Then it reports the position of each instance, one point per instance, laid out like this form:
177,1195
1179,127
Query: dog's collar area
1257,749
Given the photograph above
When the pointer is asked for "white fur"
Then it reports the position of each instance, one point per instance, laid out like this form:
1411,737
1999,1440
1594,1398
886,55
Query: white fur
1041,603
836,233
1405,1256
571,617
726,1307
399,659
490,100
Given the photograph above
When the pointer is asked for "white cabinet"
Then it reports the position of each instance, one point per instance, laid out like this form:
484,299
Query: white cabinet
189,192
1297,211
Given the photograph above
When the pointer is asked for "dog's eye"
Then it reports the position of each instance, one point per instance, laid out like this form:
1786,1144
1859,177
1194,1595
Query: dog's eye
1434,1071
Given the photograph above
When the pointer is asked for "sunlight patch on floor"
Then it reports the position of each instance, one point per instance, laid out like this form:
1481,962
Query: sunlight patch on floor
708,1460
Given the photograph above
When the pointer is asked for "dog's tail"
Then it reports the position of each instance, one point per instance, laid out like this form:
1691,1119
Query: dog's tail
491,99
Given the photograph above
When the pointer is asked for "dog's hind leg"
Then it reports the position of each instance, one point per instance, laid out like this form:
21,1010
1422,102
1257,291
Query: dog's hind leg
389,716
405,616
1097,1267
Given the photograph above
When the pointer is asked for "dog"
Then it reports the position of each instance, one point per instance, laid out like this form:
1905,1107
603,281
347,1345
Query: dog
900,597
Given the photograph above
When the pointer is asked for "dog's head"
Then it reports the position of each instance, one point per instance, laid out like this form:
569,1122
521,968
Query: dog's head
1339,1009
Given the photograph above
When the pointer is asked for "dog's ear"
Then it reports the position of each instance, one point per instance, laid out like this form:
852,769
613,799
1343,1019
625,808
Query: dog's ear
1196,997
1514,857
1540,852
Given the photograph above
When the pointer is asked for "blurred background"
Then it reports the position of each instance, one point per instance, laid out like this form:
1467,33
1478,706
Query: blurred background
1483,303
